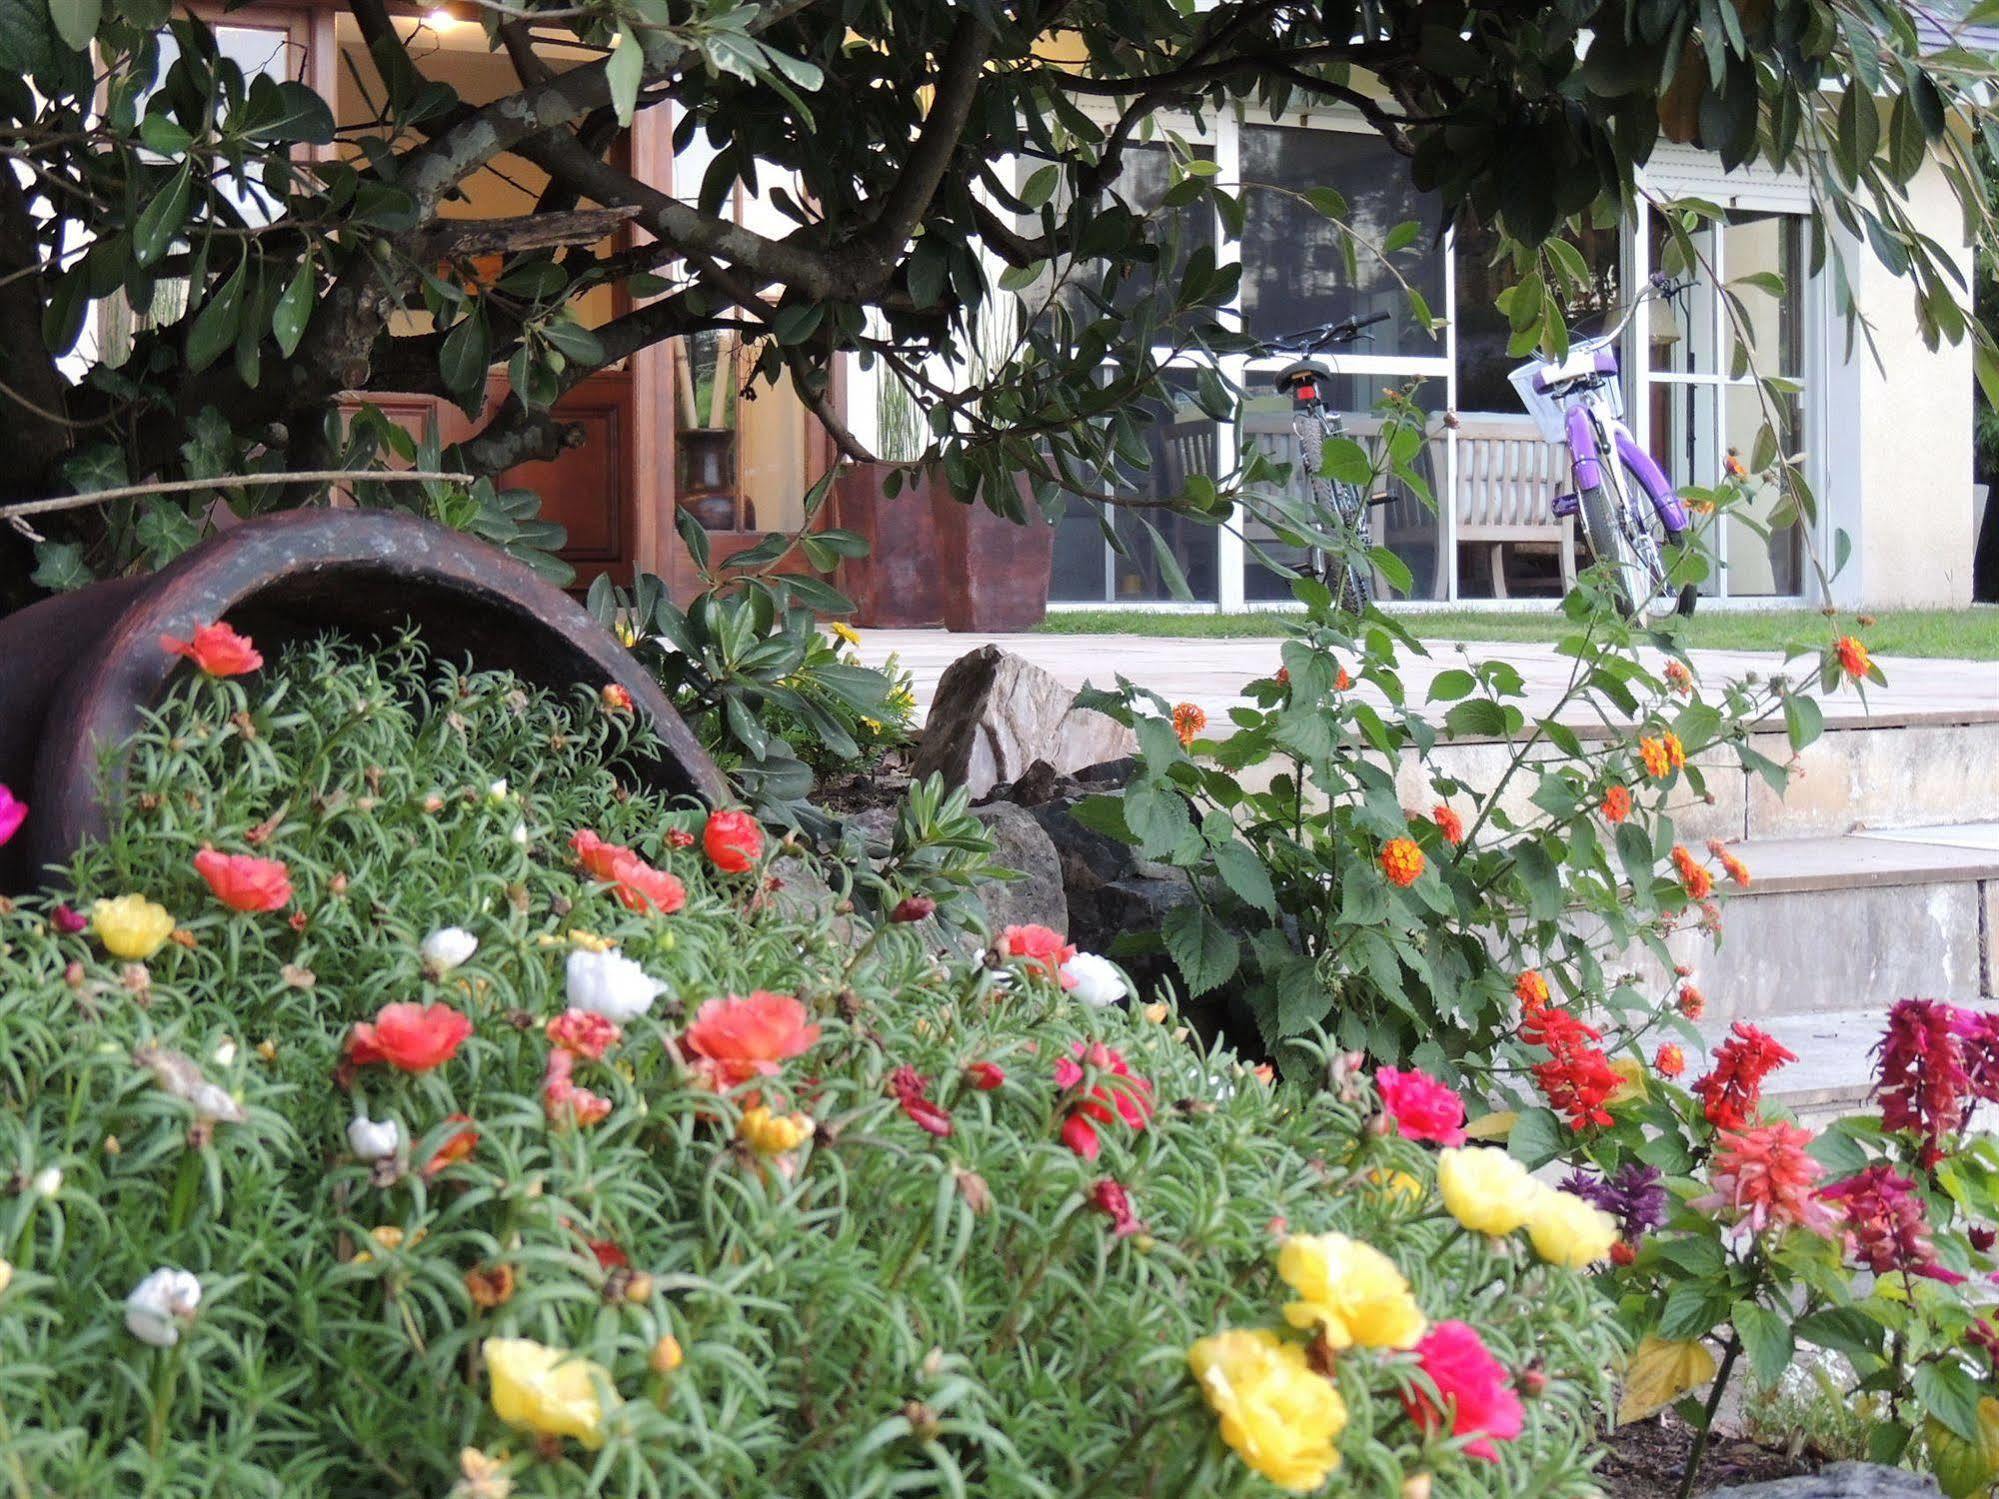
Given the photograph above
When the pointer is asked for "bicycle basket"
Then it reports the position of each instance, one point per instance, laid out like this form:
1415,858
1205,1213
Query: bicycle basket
1548,411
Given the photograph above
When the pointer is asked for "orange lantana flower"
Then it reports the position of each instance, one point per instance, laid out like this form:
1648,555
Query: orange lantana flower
1737,870
1679,678
1853,657
1402,861
1658,764
1693,874
1617,803
1531,989
1670,1061
1449,824
1676,752
1188,720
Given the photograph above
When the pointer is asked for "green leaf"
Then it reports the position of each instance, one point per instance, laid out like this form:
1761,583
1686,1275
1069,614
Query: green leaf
1476,718
215,325
76,21
466,355
1201,946
1766,1338
1537,1137
161,219
162,133
294,309
1451,684
1803,720
1691,1310
1243,872
1105,815
59,567
1950,1394
573,341
1842,1329
623,74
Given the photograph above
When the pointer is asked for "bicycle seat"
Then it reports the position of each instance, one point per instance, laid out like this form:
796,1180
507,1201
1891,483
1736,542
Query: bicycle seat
1299,374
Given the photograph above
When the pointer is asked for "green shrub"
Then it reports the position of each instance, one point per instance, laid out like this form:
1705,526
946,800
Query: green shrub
875,1307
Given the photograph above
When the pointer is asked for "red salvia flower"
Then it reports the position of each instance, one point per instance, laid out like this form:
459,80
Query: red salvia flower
1886,1226
1732,1092
1577,1077
1924,1082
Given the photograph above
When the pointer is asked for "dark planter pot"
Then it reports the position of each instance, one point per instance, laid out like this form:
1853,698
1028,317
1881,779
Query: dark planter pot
896,586
78,671
994,571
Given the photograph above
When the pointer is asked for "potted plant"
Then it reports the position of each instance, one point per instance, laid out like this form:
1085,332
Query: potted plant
896,585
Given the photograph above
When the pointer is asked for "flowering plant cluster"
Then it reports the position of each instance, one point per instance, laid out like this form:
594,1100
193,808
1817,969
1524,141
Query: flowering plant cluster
471,1168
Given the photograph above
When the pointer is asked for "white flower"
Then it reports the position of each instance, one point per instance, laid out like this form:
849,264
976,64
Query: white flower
444,949
520,834
161,1305
48,1181
1094,980
498,790
213,1101
611,985
225,1052
374,1139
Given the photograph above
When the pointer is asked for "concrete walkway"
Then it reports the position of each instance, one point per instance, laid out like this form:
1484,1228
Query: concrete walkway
1211,672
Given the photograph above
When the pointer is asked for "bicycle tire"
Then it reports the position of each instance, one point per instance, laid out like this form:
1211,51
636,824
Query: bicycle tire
1354,585
1634,585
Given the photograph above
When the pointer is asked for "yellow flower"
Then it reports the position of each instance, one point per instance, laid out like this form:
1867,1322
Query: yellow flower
773,1134
6,1276
1350,1291
845,632
1486,1189
666,1355
1568,1231
131,926
546,1390
1399,1182
482,1477
1281,1418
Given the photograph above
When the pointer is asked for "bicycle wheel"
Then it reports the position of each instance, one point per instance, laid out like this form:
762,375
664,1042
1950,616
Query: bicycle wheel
1352,582
1635,577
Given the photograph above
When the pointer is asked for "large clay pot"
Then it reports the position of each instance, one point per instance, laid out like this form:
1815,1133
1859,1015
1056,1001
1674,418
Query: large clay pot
995,571
898,584
78,671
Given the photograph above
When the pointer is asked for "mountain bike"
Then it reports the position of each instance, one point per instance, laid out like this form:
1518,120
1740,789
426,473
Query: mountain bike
1346,570
1632,518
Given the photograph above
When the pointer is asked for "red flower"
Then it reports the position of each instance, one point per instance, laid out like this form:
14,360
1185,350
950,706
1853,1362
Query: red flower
1041,949
456,1147
587,1034
679,838
912,1090
1617,803
1478,1398
739,1039
1341,681
985,1076
13,812
733,841
1670,1061
1449,824
1693,874
1402,861
616,699
1853,658
68,921
1926,1069
913,908
217,650
1679,678
414,1038
1116,1095
1732,1092
243,882
638,886
1886,1226
1422,1107
1110,1198
1621,1253
1577,1077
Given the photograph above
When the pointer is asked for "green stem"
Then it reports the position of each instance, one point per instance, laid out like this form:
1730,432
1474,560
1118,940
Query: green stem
1693,1469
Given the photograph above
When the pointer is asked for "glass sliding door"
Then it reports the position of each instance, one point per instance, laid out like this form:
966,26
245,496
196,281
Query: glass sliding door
1704,408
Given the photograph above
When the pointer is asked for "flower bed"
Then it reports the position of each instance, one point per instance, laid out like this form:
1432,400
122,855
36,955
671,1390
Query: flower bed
399,1103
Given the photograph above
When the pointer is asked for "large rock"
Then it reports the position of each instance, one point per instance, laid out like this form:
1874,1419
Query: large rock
1840,1481
1037,897
995,714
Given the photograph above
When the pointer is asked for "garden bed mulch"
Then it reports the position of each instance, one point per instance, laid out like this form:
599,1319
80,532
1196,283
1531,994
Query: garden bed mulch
1644,1460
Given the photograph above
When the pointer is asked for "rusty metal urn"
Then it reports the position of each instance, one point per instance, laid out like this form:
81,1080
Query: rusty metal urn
78,671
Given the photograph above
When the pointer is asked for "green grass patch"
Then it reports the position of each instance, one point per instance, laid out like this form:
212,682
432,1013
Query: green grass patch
1969,634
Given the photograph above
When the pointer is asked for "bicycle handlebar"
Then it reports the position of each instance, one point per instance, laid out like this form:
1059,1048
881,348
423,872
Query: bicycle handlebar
1319,336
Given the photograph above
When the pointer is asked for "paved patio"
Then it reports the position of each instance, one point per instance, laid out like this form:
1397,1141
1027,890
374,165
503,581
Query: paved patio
1211,672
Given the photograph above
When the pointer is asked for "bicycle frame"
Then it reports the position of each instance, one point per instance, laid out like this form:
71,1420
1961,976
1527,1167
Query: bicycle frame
1593,433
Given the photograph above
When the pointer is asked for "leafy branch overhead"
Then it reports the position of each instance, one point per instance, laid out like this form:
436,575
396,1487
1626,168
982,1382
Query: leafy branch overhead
925,161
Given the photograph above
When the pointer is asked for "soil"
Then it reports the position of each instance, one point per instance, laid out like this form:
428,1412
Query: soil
1644,1460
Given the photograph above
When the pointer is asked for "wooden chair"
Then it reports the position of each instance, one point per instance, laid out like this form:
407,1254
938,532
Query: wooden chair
1508,477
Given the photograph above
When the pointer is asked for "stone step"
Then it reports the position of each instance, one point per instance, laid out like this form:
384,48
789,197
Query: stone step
1852,923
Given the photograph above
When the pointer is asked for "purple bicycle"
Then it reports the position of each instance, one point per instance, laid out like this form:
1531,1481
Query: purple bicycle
1632,518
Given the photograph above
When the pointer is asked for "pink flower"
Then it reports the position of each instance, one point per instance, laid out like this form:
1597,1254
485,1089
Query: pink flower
1886,1226
13,812
587,1034
1477,1393
243,882
1422,1107
912,1090
985,1076
412,1038
69,921
739,1039
1117,1095
1040,948
1935,1060
564,1101
1110,1198
1769,1178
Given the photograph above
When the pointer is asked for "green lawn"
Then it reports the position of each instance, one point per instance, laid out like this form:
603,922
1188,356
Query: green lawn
1970,634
